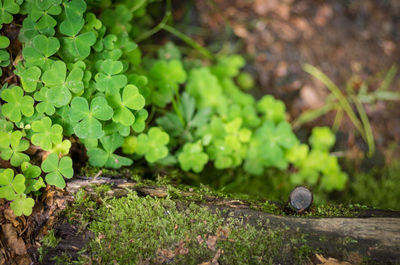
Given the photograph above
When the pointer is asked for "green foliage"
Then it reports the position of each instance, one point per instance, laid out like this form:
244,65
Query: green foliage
10,185
83,80
17,104
193,157
4,55
153,144
57,169
7,9
88,125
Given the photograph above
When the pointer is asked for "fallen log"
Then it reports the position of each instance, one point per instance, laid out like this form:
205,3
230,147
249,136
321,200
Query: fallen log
372,235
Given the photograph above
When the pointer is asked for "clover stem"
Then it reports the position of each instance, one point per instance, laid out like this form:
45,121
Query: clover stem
206,53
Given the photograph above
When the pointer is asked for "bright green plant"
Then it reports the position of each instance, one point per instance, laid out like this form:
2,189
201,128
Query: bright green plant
82,80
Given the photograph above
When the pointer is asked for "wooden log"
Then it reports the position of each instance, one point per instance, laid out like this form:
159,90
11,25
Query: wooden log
374,234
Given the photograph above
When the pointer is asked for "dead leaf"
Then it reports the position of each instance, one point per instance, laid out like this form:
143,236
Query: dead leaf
15,243
211,242
199,239
330,261
164,255
10,216
223,233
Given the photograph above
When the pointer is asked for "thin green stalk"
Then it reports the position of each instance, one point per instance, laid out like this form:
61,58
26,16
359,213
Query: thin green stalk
338,94
367,125
188,41
311,115
178,111
338,120
159,26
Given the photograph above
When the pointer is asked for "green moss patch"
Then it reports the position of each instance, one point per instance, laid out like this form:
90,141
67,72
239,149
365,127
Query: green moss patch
135,229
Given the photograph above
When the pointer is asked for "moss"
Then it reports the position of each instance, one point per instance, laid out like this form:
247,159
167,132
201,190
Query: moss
134,229
49,241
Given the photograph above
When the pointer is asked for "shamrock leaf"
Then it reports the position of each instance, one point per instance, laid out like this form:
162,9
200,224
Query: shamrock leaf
110,77
41,12
193,157
45,135
61,148
74,17
33,181
5,133
77,47
105,157
140,120
22,205
57,169
7,9
4,55
60,85
89,125
166,76
153,144
131,100
273,109
30,78
322,138
228,66
42,48
10,185
17,104
45,105
63,118
14,151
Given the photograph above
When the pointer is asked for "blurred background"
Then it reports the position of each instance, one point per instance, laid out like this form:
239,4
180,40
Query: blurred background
354,43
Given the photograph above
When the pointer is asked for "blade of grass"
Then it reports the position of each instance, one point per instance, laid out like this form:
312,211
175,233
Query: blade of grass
344,103
311,115
388,78
367,125
338,120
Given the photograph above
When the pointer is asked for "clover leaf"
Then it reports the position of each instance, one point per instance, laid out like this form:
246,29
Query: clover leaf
153,144
60,85
7,9
110,77
88,118
322,138
56,169
273,109
42,48
17,104
74,17
166,76
10,185
61,148
14,151
22,205
41,12
5,133
76,47
45,105
105,156
131,100
140,120
33,181
45,135
30,78
193,157
4,55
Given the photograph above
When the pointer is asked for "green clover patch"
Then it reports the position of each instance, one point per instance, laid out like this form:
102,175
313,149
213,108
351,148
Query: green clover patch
10,185
153,144
45,135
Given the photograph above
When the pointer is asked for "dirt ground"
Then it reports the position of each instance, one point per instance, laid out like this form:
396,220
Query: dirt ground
345,39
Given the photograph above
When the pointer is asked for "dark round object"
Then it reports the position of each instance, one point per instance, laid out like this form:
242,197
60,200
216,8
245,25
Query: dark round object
301,199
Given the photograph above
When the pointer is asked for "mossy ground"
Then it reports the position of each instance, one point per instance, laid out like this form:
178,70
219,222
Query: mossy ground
146,230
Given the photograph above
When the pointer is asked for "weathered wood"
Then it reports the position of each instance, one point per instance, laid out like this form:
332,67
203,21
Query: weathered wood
373,233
